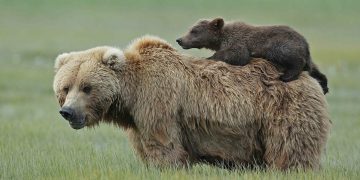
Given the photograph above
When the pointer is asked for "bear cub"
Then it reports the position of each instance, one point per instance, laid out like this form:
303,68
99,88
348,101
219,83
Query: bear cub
236,42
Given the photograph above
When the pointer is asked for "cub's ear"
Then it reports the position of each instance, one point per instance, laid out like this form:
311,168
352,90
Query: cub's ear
113,57
61,60
217,23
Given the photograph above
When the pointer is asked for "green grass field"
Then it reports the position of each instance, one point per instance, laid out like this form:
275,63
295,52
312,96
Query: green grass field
36,143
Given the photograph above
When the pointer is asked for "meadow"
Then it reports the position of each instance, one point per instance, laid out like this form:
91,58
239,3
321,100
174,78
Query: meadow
36,143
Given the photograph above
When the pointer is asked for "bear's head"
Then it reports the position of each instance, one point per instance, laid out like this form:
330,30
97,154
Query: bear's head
204,34
86,85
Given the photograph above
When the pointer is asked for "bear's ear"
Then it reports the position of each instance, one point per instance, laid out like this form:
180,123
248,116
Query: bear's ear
60,60
217,23
113,57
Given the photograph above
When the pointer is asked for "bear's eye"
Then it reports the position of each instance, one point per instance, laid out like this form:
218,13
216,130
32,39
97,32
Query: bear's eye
194,31
87,89
66,90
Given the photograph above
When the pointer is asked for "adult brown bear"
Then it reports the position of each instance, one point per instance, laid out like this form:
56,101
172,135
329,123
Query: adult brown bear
180,110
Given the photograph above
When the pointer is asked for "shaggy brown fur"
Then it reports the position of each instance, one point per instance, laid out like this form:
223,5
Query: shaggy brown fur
179,110
236,42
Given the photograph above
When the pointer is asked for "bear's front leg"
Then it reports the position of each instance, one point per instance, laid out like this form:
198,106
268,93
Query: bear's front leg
235,56
162,152
161,143
157,123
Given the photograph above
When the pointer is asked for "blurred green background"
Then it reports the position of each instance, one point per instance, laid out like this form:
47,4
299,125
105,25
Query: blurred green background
35,142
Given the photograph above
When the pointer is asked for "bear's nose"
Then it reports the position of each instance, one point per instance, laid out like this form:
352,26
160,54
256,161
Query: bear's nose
179,40
67,113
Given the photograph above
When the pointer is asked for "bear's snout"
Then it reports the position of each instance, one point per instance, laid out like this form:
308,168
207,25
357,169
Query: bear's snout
179,41
75,121
67,113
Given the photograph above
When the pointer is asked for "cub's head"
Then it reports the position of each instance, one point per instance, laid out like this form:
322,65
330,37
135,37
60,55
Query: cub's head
86,85
204,34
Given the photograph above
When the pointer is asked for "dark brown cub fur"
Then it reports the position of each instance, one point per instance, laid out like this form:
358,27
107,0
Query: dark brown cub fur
236,42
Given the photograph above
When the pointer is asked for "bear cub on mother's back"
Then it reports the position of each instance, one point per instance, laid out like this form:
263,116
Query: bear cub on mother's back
236,42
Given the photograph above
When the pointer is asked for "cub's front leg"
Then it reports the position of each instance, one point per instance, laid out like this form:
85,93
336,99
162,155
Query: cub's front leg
235,56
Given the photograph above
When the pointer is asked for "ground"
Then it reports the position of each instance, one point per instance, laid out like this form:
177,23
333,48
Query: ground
35,142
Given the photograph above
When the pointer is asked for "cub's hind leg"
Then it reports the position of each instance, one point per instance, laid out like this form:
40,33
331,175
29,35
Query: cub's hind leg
292,68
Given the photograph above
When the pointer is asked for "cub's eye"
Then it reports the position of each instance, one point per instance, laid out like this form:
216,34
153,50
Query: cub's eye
66,90
194,31
87,89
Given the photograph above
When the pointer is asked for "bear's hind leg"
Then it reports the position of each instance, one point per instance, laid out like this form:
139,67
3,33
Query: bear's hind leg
296,146
292,69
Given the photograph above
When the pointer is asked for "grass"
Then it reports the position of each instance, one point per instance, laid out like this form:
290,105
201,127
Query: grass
35,143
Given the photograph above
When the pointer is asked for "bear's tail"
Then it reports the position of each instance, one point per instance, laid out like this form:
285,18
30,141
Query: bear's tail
320,77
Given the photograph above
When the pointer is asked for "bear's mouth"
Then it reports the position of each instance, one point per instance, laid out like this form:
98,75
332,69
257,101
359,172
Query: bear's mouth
185,47
79,124
190,46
